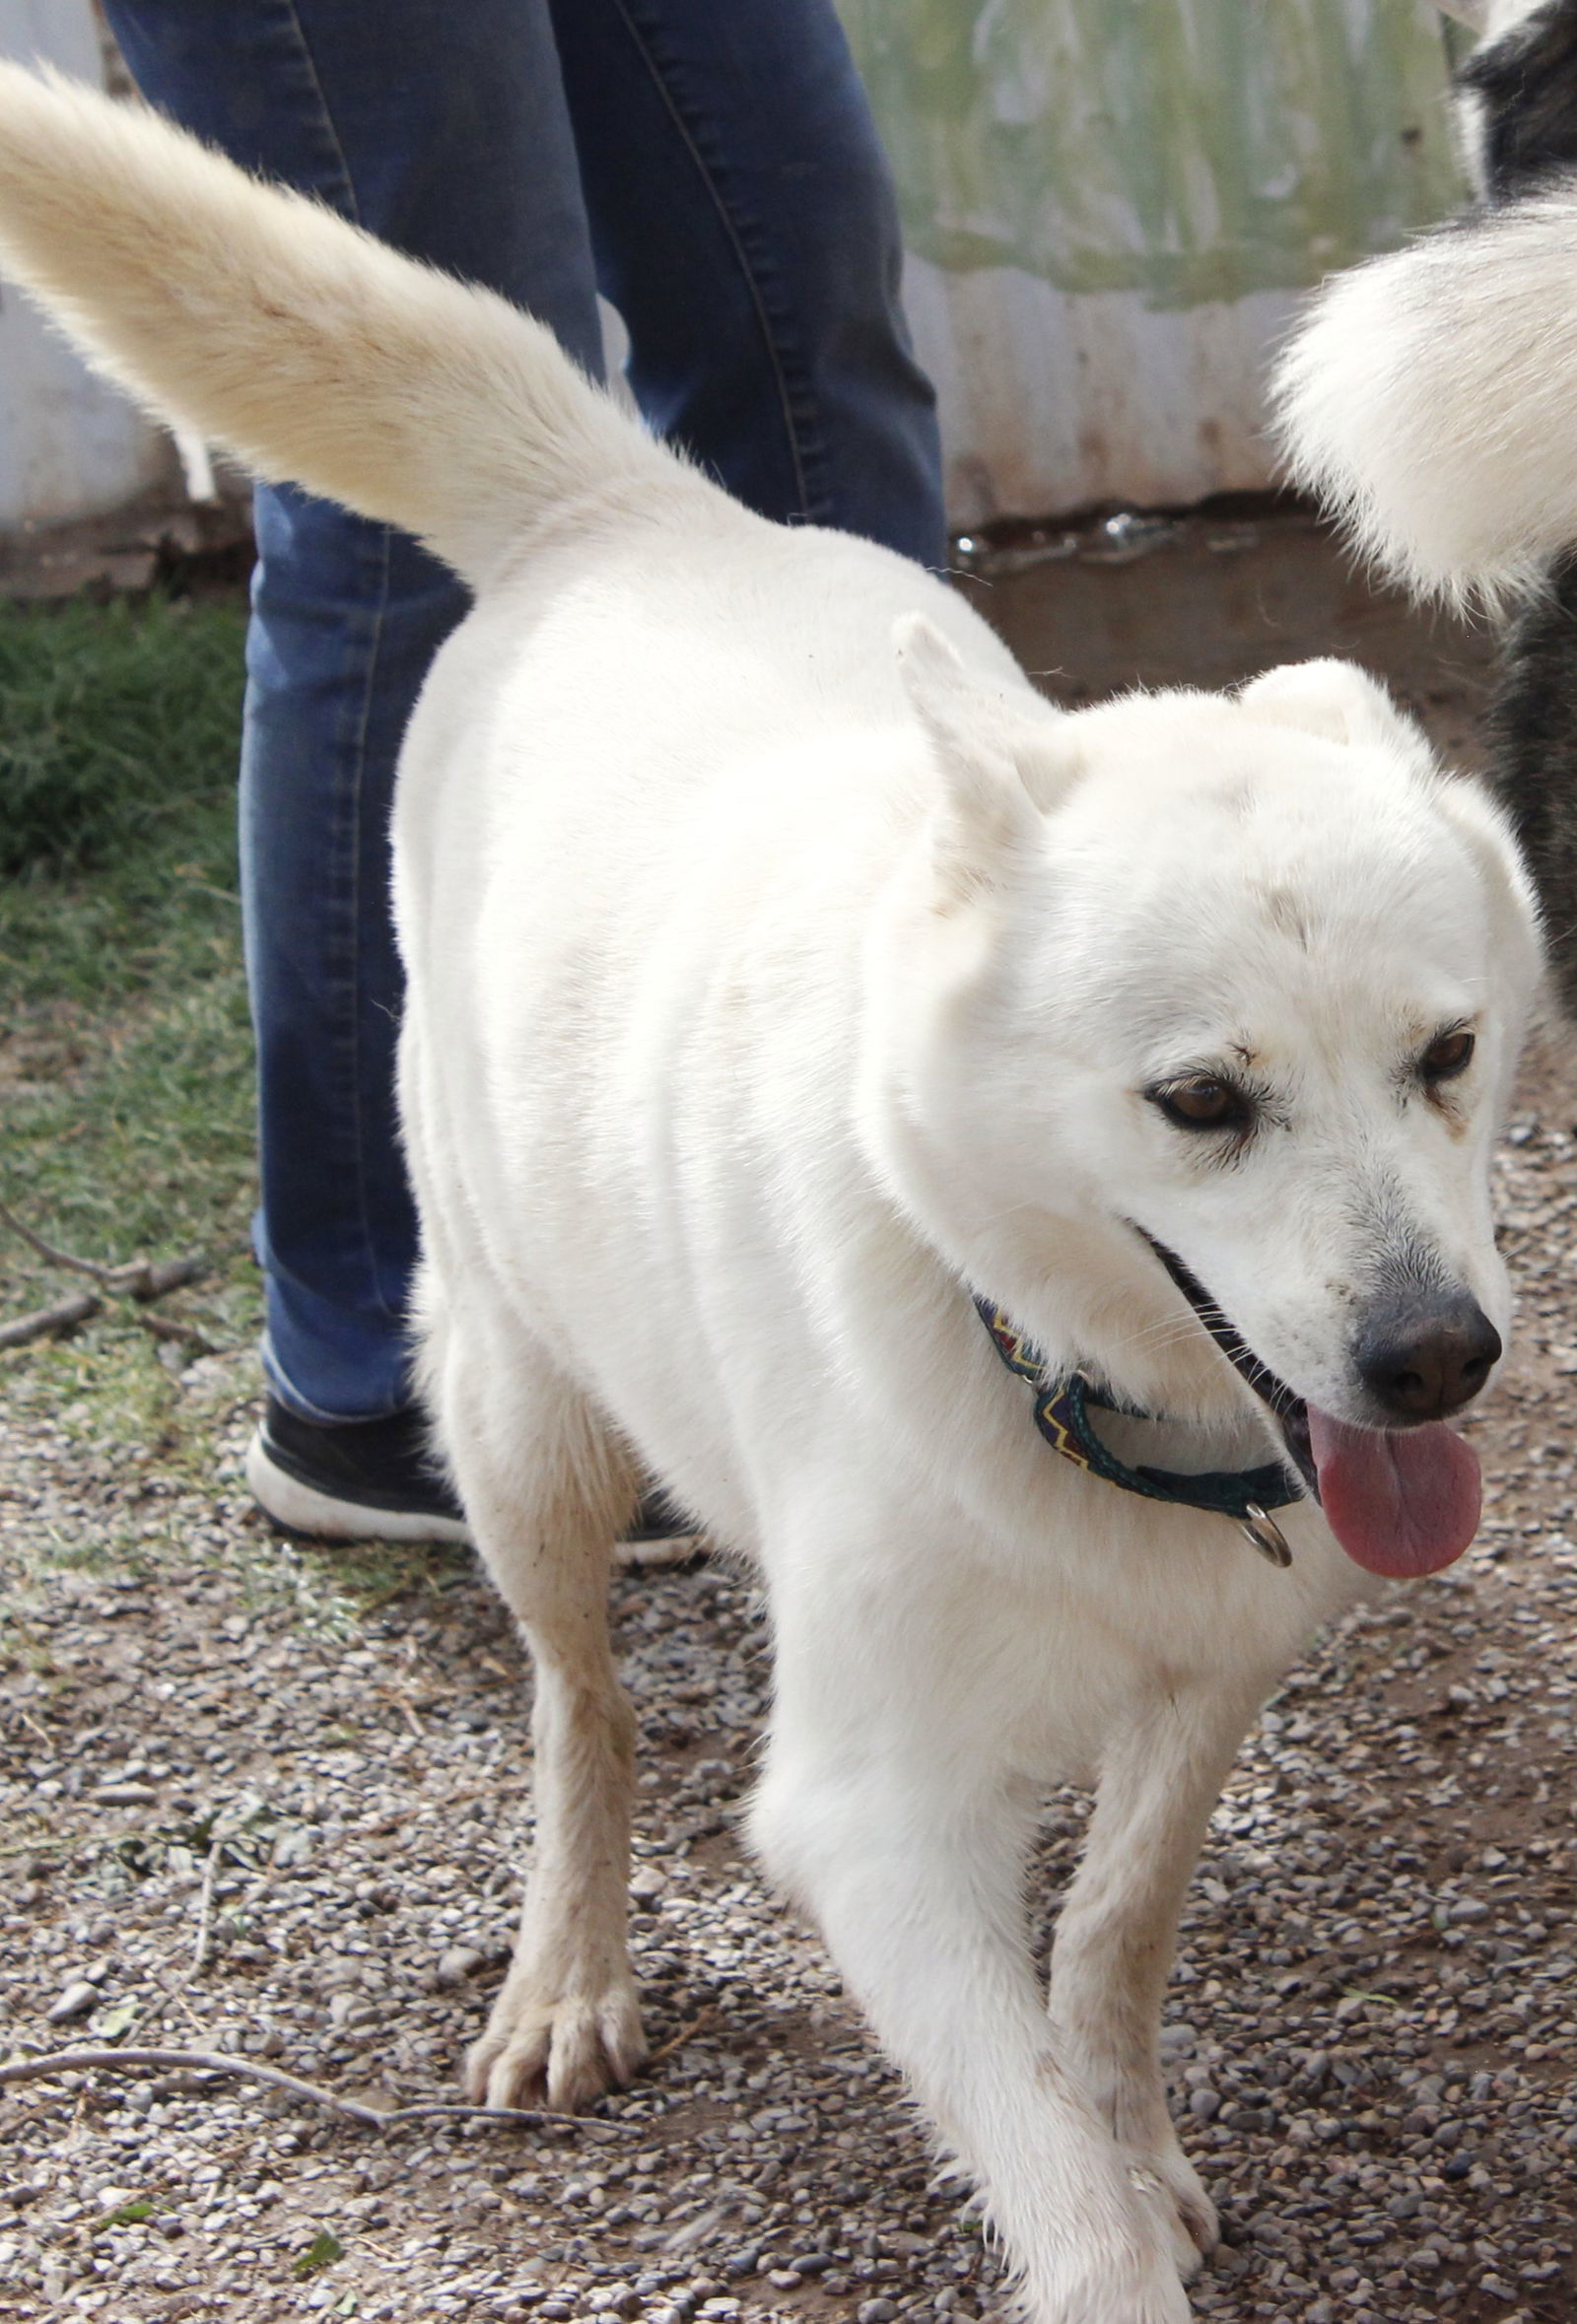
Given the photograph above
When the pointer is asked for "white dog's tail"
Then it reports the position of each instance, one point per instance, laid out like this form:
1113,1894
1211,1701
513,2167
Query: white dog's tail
1430,400
315,353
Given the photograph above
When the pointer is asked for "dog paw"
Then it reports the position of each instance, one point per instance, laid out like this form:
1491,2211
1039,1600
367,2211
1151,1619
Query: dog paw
1109,2291
1172,2184
558,2051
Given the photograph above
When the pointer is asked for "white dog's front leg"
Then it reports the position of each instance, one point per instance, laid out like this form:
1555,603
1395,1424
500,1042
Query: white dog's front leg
1117,1930
914,1881
545,1490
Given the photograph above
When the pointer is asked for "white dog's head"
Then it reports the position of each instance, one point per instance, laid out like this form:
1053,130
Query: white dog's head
1199,1021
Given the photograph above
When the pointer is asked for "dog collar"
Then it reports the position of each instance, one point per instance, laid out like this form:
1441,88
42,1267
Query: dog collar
1061,1414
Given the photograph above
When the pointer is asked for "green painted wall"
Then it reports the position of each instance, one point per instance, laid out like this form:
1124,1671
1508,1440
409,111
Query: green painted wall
1186,150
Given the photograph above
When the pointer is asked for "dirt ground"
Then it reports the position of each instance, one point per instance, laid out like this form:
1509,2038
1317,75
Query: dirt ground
262,1799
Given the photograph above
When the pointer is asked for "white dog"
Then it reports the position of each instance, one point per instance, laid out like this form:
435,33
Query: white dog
784,974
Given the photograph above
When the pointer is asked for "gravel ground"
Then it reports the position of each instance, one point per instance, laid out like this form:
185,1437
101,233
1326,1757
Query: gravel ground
268,1800
214,1744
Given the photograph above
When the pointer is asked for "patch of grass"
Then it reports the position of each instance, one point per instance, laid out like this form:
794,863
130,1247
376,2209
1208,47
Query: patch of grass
126,1105
143,1142
125,1049
115,722
118,733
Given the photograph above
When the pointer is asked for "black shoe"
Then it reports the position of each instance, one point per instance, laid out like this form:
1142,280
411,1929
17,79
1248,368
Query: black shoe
352,1480
375,1480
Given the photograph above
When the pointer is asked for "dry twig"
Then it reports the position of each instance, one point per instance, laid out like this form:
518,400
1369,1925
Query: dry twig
248,2068
63,1316
205,1909
139,1279
435,1805
184,1336
151,1279
403,1704
684,2034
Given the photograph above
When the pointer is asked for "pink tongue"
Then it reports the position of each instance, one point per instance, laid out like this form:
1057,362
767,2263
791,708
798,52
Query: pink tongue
1400,1502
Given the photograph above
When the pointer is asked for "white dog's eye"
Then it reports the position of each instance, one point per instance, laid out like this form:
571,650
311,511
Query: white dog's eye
1447,1056
1204,1103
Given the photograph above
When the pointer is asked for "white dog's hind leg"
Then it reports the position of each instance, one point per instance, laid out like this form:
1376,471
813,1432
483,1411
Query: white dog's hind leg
912,1866
1117,1930
546,1491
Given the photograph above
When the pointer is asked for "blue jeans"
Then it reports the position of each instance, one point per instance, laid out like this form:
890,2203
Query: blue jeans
711,166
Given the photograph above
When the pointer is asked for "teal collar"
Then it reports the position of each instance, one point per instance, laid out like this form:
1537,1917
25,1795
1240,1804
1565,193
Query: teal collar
1061,1414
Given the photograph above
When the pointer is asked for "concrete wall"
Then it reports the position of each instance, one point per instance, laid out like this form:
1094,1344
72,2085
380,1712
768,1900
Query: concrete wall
69,447
1111,204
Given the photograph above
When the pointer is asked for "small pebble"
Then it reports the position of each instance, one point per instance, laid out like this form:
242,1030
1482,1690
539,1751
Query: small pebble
459,1963
75,2001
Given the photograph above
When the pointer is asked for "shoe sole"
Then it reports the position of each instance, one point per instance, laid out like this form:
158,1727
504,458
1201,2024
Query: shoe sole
298,1508
664,1550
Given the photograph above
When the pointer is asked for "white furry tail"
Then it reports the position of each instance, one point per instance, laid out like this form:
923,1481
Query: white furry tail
1430,400
315,353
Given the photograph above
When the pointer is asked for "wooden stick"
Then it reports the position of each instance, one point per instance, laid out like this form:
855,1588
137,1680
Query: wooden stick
57,1258
142,1278
151,1279
372,2117
205,1910
64,1316
184,1336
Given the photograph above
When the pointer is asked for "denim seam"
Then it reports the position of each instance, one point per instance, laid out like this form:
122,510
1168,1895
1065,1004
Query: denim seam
358,743
326,117
786,395
357,739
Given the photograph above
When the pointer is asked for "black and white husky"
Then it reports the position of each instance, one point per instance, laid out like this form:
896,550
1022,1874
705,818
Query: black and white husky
1430,398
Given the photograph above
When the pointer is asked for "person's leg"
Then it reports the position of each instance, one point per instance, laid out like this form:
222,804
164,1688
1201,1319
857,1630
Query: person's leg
443,129
759,268
744,226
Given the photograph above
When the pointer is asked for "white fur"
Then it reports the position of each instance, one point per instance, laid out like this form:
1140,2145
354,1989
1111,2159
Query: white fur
1492,20
780,966
1427,398
316,362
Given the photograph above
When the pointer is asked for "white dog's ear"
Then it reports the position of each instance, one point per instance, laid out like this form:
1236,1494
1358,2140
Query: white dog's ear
1338,702
1000,759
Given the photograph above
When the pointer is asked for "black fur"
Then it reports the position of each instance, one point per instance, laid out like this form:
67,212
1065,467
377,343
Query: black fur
1533,747
1528,85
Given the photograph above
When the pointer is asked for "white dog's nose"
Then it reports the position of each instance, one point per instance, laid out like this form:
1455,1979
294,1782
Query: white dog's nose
1423,1357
